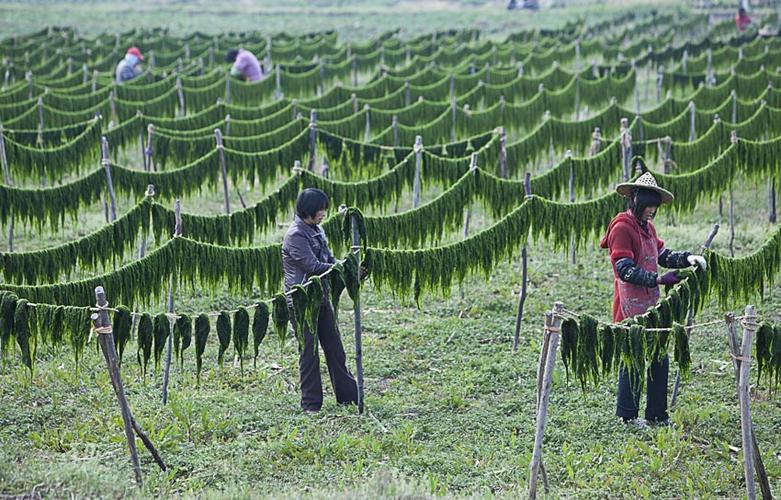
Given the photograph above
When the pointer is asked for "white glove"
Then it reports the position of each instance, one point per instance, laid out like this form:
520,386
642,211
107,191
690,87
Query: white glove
697,260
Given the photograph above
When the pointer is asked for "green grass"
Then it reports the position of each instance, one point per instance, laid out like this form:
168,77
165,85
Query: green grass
450,409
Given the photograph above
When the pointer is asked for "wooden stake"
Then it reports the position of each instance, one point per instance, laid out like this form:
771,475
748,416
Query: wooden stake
596,142
180,95
503,173
228,125
224,169
527,186
357,314
278,82
395,127
106,341
626,148
659,83
368,131
692,122
407,98
418,163
734,139
468,217
170,304
8,182
771,200
553,325
568,155
734,97
104,160
150,133
312,139
759,465
749,326
577,97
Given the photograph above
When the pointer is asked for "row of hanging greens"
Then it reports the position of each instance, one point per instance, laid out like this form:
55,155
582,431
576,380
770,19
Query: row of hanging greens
592,351
26,327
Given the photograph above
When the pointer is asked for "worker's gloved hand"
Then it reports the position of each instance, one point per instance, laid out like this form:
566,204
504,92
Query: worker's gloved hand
669,278
697,260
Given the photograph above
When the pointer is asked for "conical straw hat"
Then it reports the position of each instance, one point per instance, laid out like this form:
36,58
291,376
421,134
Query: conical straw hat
645,181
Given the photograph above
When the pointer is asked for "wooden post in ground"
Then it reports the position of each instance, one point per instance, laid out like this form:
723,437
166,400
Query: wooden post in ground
596,142
734,97
407,96
356,247
106,341
577,97
8,182
568,156
503,173
29,77
395,128
626,148
278,94
749,327
149,151
368,132
527,186
170,306
690,318
734,140
104,160
223,169
180,95
552,325
692,122
312,139
227,125
468,217
659,83
759,464
416,187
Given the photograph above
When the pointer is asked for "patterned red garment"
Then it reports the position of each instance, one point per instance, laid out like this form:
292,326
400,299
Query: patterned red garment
625,238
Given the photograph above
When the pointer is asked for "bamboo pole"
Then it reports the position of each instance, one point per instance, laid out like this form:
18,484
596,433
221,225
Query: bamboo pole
8,182
749,326
104,160
368,132
312,139
759,465
568,155
416,187
170,307
503,153
356,247
149,151
106,341
734,140
223,169
552,325
527,186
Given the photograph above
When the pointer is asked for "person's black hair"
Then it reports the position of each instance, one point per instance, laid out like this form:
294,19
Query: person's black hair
741,11
231,55
310,201
643,198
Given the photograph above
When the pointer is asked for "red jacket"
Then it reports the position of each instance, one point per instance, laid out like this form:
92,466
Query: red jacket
626,239
742,22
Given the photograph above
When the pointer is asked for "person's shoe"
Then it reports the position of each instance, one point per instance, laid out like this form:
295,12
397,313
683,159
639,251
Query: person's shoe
637,423
311,411
665,422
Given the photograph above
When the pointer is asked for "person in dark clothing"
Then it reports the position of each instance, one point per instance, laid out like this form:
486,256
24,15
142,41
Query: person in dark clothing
635,252
305,253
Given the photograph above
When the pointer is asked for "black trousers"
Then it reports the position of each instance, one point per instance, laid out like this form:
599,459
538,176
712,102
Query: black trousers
342,381
628,399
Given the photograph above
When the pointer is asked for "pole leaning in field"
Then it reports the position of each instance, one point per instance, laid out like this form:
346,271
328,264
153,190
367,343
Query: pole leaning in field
749,327
103,328
553,327
356,247
223,169
170,306
527,186
759,465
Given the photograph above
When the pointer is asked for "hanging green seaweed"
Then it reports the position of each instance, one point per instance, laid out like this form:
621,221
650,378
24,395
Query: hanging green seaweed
606,349
586,359
569,344
281,317
223,335
7,310
162,329
259,328
24,338
682,353
122,324
183,333
241,334
202,328
764,342
145,338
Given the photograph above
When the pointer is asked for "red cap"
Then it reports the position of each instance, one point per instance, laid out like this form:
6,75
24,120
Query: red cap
135,52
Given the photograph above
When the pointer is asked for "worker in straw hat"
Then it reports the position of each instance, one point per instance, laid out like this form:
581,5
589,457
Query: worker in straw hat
130,66
635,252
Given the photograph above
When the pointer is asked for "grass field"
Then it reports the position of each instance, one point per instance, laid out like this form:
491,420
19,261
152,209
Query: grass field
450,408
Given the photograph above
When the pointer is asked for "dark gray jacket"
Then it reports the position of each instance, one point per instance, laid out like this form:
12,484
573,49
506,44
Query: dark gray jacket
305,253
